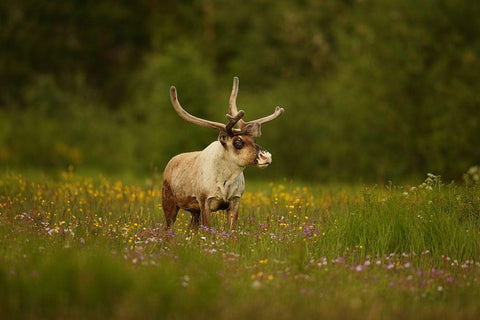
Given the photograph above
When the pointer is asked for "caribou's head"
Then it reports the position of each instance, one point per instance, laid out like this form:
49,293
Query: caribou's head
238,143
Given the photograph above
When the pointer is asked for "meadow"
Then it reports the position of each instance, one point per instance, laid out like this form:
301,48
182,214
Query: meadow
84,246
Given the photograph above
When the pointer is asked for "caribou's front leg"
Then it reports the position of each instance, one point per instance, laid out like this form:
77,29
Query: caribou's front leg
232,212
205,212
195,221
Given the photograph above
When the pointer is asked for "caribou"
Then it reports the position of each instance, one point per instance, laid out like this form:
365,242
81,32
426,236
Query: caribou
205,181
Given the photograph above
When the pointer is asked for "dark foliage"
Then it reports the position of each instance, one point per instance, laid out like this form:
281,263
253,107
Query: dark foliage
373,90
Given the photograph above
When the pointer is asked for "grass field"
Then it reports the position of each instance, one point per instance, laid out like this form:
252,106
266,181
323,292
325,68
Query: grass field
87,247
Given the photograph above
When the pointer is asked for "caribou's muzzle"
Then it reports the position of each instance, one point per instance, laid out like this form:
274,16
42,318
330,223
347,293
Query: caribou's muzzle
264,158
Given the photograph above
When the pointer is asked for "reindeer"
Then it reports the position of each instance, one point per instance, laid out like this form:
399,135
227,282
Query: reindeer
212,179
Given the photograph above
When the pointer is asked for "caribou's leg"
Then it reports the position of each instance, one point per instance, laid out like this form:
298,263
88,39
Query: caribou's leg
232,212
170,208
195,221
205,212
170,212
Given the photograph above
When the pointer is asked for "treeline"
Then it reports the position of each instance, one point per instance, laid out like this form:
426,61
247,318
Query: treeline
373,90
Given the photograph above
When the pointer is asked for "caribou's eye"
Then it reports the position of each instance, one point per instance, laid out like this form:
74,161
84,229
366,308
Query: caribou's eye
238,143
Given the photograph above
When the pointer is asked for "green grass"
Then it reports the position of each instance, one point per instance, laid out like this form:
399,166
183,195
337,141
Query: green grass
88,247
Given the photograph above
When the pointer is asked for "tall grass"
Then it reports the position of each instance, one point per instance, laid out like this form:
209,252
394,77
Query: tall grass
76,246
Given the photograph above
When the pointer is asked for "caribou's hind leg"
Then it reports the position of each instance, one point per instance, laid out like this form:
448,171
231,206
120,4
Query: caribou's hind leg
170,208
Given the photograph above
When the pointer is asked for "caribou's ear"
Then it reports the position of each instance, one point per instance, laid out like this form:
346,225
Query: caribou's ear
223,137
253,129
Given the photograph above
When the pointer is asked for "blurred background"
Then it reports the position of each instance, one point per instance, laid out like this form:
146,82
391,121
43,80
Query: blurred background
373,90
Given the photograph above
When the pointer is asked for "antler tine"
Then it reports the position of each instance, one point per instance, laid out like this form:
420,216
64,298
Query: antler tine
253,127
232,106
232,120
190,118
276,114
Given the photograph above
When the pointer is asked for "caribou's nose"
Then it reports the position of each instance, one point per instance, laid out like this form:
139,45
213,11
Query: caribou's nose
264,158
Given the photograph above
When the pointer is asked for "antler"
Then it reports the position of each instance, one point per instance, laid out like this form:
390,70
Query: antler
274,115
232,120
234,116
247,126
232,105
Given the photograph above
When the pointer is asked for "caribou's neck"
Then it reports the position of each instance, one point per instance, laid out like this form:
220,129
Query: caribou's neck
227,169
224,170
